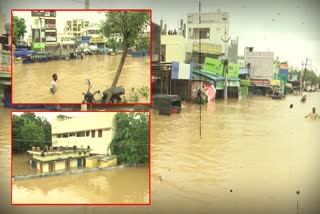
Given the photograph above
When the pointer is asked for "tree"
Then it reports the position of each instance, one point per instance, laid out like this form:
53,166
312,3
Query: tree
30,130
7,28
19,29
131,142
143,43
113,44
129,25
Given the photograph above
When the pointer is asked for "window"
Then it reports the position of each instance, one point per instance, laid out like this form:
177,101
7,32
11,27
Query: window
204,33
80,134
65,135
87,133
93,132
72,134
100,133
59,135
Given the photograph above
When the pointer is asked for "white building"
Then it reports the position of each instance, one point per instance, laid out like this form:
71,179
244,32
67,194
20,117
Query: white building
95,129
261,64
173,48
75,27
213,26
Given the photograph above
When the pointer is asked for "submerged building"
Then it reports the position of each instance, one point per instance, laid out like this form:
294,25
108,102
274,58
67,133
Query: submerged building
80,141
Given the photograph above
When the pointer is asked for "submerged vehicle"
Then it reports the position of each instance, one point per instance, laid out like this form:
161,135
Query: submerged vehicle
166,104
90,97
277,94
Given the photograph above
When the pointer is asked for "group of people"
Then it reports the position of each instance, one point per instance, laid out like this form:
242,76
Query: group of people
172,32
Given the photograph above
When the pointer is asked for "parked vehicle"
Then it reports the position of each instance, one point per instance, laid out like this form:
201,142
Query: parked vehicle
166,104
91,97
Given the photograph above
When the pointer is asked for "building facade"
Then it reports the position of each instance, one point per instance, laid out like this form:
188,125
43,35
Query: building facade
173,48
96,130
75,27
233,51
44,30
212,27
261,64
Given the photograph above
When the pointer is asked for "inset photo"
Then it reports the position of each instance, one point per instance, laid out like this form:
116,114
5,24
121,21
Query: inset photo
81,56
80,158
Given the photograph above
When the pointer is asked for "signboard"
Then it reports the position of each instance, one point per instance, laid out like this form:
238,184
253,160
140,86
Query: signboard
260,82
97,40
39,45
207,48
215,66
181,71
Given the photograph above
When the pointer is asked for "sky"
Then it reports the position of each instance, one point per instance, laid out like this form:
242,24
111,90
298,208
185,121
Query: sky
289,28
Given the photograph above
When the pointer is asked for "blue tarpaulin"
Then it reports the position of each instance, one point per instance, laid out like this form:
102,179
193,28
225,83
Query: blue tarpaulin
22,53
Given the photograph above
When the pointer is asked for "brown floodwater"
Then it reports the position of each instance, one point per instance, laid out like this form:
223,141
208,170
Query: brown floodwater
31,82
254,154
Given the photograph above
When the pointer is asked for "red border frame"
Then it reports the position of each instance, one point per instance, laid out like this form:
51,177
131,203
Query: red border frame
98,10
84,204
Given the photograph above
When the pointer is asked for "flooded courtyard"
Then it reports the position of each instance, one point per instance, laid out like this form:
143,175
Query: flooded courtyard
253,156
31,82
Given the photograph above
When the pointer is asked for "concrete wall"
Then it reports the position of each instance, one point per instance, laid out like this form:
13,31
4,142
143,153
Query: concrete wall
108,163
175,47
60,165
261,64
45,167
218,22
74,163
91,162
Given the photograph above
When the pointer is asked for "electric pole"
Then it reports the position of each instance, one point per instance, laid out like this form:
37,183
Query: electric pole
87,4
225,63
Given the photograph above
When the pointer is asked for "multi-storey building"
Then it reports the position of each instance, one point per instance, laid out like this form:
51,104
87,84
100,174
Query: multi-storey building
44,30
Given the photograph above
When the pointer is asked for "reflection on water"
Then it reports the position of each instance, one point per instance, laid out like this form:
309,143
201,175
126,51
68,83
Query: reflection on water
254,154
31,81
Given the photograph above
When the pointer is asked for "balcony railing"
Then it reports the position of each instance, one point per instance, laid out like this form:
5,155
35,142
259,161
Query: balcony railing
51,26
51,39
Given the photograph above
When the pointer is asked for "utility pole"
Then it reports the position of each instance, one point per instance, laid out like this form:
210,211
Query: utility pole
225,63
87,4
305,71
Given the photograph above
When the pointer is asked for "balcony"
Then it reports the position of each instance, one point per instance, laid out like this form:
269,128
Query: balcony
51,39
50,26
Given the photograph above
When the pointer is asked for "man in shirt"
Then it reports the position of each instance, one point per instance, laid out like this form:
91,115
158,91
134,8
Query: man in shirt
53,86
313,115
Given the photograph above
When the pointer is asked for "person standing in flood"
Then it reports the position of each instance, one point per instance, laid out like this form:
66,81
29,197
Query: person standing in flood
313,115
53,85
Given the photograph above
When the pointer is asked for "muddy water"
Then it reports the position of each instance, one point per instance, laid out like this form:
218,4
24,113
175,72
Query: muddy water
31,82
253,155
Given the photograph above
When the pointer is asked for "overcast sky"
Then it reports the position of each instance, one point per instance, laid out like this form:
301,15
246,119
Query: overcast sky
290,28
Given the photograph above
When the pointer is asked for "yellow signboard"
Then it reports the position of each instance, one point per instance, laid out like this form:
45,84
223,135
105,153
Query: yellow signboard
207,48
97,40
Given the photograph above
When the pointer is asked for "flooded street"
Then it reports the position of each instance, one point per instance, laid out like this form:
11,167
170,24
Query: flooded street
31,82
253,156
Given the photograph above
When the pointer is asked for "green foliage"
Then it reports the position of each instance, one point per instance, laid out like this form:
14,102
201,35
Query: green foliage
128,24
30,130
144,92
135,95
113,44
131,142
19,29
143,43
310,76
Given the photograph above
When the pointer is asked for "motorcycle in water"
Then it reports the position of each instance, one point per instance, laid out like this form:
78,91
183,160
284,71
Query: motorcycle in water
90,97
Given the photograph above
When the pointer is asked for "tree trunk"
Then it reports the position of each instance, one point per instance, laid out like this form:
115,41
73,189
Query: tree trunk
120,66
